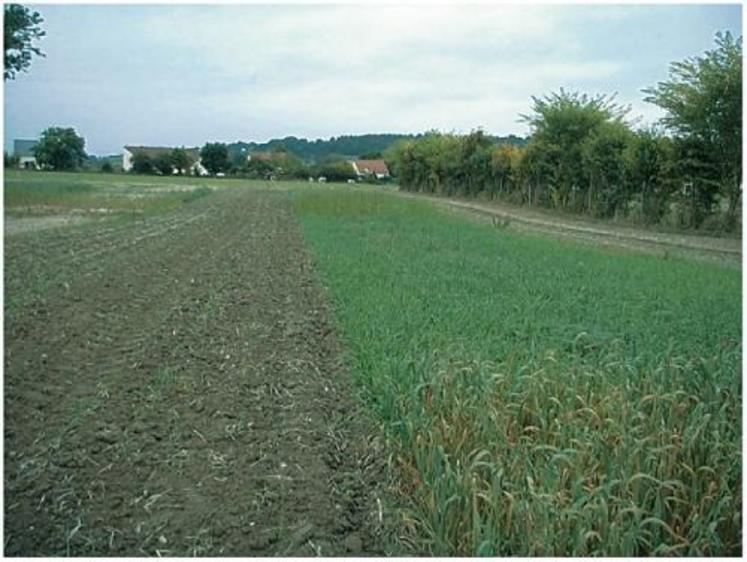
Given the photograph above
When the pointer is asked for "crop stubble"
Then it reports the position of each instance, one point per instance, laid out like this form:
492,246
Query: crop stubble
173,387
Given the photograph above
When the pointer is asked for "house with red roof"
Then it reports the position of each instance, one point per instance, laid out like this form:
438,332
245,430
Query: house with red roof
365,168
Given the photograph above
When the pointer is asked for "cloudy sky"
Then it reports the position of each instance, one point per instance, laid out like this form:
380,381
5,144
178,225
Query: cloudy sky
173,75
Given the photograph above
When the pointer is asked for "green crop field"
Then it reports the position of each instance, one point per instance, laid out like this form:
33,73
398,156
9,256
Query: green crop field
533,397
542,398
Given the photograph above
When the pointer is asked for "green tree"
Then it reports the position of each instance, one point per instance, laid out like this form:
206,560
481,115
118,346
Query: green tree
215,157
142,163
107,168
258,168
376,155
336,170
181,160
476,166
506,162
603,158
560,124
22,28
649,165
163,164
703,101
60,149
10,161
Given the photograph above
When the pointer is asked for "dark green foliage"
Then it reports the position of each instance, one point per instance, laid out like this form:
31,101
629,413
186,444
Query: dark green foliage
107,168
60,149
561,125
584,157
258,169
335,170
602,158
703,101
649,165
142,163
22,29
214,157
10,161
277,163
163,164
347,146
180,160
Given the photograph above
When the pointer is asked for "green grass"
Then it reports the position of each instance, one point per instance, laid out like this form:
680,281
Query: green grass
28,192
542,398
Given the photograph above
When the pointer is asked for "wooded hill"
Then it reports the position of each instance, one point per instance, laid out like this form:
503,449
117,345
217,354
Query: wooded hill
349,146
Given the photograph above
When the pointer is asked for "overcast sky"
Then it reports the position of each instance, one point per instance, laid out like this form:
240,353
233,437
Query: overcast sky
184,75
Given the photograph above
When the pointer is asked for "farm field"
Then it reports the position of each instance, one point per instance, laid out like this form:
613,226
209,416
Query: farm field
173,387
546,398
228,373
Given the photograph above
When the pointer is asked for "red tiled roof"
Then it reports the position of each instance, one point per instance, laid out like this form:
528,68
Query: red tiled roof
372,167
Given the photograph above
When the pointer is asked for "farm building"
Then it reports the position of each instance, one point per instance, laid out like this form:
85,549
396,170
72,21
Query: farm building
365,168
154,152
24,151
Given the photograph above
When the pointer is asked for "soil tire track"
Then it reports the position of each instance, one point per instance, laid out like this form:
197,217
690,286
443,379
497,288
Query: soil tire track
182,394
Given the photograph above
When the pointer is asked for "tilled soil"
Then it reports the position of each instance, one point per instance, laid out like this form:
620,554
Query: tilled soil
174,387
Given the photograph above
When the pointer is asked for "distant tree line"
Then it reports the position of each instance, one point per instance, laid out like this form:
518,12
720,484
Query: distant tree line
335,148
583,155
281,163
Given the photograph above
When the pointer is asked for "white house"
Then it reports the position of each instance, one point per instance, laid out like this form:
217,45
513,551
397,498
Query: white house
24,151
154,152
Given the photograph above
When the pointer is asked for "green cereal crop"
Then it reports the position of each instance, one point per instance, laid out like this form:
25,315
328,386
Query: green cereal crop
543,398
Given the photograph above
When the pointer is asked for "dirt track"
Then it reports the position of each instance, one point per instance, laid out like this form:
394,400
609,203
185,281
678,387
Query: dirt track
173,386
726,251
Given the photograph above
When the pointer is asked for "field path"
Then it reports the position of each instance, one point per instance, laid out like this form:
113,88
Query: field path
707,248
174,387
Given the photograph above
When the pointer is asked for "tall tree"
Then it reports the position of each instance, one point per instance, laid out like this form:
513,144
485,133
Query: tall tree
215,157
603,158
181,160
560,124
163,164
142,163
60,149
22,28
703,101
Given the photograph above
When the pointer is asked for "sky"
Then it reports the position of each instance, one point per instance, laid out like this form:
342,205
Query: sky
174,74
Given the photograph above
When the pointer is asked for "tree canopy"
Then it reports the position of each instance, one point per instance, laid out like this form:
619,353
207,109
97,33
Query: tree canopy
181,160
215,157
60,149
22,29
702,98
142,163
585,156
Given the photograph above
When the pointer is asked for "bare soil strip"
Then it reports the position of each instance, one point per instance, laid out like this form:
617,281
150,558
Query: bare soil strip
708,248
18,225
173,387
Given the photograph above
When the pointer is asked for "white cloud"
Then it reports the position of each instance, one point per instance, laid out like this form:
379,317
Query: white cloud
364,68
187,74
